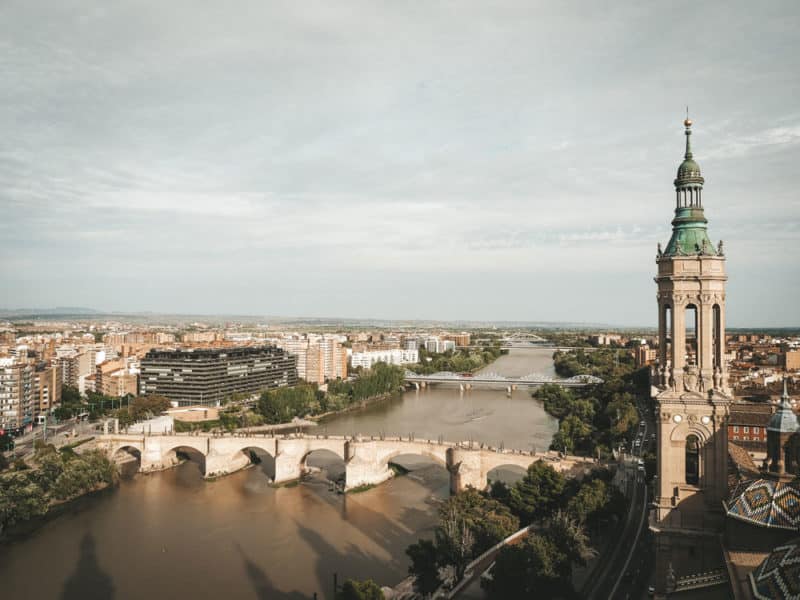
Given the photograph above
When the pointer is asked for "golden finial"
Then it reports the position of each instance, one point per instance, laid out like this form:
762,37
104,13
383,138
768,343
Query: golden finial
688,121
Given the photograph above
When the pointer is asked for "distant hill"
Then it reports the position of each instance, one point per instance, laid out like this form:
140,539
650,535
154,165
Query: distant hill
49,312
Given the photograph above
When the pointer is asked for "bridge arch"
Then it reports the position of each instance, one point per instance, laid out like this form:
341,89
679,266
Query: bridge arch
255,454
122,456
181,452
129,446
324,459
507,473
440,460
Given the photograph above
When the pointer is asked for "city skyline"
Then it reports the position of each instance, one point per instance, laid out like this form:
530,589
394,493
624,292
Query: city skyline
512,164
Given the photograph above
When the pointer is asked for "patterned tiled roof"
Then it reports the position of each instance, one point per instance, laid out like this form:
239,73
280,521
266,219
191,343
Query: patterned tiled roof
767,503
778,577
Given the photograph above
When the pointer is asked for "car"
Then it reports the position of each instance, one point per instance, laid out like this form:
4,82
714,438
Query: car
651,591
637,443
642,423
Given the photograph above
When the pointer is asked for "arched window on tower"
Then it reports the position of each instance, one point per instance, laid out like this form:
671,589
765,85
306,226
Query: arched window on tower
692,460
666,324
691,333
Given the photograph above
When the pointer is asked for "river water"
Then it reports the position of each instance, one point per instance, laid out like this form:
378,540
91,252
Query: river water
174,535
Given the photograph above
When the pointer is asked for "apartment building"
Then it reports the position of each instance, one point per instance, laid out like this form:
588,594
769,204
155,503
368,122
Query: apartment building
392,357
16,393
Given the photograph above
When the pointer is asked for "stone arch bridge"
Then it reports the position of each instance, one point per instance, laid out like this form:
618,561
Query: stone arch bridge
366,459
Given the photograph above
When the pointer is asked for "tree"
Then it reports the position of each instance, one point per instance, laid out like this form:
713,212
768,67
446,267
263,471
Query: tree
424,566
590,499
143,407
21,498
528,570
572,433
454,542
570,538
557,400
537,494
70,395
489,520
360,590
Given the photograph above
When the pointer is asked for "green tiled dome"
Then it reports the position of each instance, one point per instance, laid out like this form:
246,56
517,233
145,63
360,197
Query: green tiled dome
688,168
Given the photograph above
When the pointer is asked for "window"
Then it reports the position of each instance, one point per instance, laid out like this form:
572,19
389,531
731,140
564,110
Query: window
747,430
736,430
736,438
755,430
692,460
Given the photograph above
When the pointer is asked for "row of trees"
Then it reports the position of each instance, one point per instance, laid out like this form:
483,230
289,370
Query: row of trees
127,409
57,476
471,522
458,361
281,405
598,418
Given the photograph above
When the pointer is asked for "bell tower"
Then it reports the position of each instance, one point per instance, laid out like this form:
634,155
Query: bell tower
690,384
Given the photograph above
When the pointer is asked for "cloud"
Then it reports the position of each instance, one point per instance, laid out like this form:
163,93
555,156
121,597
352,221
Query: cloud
354,144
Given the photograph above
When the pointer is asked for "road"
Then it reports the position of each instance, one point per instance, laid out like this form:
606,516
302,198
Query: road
624,572
56,434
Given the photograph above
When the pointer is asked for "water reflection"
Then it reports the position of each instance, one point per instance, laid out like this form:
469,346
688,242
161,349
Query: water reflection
88,581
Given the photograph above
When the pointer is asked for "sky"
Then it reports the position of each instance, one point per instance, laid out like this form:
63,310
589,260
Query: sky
412,160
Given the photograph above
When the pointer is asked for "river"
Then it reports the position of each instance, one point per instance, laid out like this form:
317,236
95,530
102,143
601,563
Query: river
174,535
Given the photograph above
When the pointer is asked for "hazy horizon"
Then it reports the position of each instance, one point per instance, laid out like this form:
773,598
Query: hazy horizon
510,161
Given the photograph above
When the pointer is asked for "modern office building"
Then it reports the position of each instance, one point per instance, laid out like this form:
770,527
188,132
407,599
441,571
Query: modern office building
209,376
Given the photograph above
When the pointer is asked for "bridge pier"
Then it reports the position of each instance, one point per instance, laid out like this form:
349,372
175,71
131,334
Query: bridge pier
465,470
363,466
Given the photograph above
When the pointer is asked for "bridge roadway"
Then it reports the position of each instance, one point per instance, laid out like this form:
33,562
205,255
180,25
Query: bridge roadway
366,459
531,380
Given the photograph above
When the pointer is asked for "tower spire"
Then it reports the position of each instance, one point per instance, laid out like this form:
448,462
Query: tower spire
688,125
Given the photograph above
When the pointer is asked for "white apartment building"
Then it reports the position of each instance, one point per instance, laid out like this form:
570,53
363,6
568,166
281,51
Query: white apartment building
391,357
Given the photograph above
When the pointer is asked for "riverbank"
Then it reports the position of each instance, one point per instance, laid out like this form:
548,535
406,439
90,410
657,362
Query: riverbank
355,407
51,484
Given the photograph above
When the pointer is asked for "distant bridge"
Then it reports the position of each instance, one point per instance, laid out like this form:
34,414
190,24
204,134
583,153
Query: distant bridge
468,380
366,458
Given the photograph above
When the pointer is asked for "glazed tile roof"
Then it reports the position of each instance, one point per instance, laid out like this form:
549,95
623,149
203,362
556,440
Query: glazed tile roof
778,577
767,503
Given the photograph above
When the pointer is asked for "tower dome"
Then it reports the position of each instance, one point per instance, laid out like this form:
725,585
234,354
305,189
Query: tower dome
784,420
689,233
688,171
